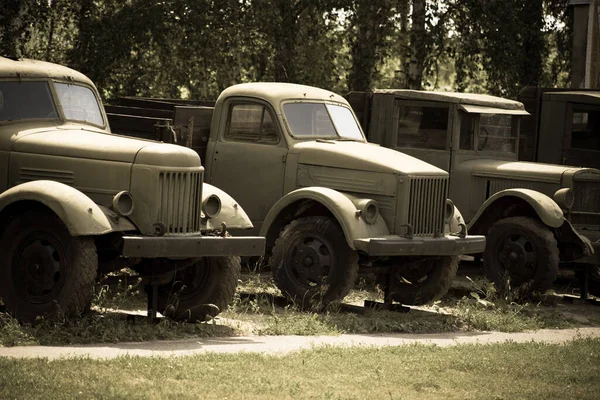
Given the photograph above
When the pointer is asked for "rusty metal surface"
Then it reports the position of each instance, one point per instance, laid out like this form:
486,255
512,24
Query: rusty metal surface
192,246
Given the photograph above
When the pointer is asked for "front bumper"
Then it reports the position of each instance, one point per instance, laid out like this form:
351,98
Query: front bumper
192,246
421,246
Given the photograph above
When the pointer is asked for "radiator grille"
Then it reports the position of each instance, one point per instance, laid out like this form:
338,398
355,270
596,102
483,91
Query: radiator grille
179,201
586,208
427,204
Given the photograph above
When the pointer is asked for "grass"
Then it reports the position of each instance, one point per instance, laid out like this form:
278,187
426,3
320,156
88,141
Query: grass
259,309
495,371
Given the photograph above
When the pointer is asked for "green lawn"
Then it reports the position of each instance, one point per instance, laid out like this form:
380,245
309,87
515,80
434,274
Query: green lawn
499,371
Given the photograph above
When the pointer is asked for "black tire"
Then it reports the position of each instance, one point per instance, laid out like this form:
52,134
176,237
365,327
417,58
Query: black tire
312,263
421,281
44,271
521,255
201,291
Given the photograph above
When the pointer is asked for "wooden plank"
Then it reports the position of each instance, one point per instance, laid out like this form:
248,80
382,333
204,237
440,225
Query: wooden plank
142,112
202,118
137,126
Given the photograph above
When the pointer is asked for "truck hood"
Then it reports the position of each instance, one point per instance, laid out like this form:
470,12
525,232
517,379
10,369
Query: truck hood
528,171
90,144
361,156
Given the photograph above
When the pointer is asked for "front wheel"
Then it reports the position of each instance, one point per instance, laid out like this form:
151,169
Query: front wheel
421,281
312,262
521,254
200,291
44,271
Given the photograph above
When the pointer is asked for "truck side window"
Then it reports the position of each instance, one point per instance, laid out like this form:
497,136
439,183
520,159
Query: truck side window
467,130
251,122
423,127
584,132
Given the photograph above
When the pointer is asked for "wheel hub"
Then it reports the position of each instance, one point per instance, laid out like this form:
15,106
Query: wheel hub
517,255
38,269
310,260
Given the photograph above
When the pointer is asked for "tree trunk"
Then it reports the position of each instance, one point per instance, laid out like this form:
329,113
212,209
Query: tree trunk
418,52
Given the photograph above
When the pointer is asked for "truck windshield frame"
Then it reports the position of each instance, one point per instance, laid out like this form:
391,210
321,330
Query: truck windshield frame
28,100
79,103
309,120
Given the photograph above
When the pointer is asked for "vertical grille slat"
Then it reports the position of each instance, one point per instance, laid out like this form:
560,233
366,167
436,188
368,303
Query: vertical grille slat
179,201
427,201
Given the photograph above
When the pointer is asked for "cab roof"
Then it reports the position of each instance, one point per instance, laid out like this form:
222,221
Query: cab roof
275,92
583,96
24,68
455,97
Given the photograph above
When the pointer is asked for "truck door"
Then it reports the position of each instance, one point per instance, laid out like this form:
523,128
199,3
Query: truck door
248,161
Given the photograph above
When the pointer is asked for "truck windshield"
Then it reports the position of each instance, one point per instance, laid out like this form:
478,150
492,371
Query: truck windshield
79,103
26,100
496,133
322,120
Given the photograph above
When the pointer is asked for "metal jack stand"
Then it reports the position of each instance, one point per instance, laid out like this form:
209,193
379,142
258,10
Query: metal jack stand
388,304
584,296
585,287
152,303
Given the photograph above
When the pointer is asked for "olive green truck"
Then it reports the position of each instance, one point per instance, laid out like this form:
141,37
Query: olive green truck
77,201
535,216
330,204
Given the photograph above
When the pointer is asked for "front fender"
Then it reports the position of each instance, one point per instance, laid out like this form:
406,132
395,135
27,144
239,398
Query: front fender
79,213
341,207
546,209
231,213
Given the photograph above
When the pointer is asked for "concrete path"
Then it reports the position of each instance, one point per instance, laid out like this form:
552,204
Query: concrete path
286,344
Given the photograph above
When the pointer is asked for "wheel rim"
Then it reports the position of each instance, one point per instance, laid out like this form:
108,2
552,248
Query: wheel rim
309,261
518,257
39,268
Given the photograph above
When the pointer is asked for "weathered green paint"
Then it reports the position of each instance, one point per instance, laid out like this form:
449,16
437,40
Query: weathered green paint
268,178
545,208
79,213
341,207
76,167
479,179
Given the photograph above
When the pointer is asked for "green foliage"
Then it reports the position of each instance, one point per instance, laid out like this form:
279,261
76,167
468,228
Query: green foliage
178,48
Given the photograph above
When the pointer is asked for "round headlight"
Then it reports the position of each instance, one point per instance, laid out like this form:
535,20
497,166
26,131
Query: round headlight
449,210
564,198
123,203
368,210
211,206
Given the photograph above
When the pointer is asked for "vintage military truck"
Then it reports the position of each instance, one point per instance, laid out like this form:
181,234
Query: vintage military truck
77,200
325,199
535,216
563,128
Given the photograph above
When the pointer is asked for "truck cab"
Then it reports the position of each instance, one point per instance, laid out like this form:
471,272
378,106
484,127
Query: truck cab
563,128
536,216
77,201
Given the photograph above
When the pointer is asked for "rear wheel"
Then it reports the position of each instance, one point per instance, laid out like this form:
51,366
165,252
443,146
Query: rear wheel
201,291
44,271
312,263
421,281
521,255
